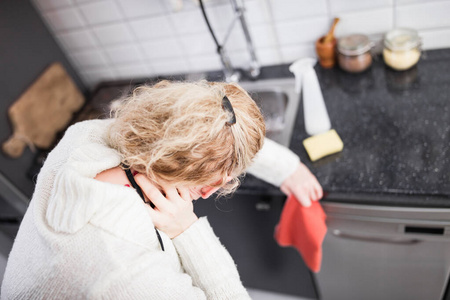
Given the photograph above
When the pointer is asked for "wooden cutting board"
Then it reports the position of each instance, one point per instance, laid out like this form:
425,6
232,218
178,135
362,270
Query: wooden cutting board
42,111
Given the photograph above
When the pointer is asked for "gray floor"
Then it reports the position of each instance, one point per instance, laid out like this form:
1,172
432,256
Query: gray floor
264,295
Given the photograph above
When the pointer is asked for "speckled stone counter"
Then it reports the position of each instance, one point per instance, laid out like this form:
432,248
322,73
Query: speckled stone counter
396,132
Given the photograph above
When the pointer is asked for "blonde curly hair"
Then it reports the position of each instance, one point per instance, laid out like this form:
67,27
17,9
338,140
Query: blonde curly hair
177,132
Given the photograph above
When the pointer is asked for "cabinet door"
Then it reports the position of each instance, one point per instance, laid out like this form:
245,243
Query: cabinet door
248,234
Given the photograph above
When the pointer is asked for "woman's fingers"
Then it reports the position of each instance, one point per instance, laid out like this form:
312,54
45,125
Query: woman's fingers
302,194
177,193
151,192
319,191
172,193
285,190
156,216
184,193
175,216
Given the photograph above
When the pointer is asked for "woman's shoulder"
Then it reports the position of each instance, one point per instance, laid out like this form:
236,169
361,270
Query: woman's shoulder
89,129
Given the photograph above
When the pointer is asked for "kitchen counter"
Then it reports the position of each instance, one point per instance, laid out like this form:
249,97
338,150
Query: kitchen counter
395,127
396,132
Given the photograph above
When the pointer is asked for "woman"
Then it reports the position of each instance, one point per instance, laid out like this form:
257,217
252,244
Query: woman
88,234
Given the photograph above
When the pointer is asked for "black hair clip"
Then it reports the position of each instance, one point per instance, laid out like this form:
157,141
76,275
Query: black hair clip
226,105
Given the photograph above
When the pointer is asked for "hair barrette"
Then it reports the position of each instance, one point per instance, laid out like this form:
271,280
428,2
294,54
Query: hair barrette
226,105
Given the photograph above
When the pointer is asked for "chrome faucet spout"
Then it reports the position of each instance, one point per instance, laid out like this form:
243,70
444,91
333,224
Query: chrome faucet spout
239,8
232,75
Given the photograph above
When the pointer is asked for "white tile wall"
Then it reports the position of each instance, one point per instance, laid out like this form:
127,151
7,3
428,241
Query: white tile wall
130,70
204,63
339,6
435,39
283,10
301,31
153,28
167,48
424,15
197,44
91,58
113,34
64,19
170,66
101,12
367,22
142,8
122,39
77,40
122,54
48,5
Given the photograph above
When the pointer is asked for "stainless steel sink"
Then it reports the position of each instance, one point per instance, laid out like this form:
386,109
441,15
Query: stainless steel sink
279,103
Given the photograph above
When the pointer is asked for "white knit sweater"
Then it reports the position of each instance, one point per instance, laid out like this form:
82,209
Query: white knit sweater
86,239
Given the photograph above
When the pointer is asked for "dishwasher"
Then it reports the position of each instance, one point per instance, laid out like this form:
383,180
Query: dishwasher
383,252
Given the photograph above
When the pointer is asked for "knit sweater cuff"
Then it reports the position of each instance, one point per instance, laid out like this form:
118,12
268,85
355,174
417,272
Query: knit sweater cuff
208,263
274,163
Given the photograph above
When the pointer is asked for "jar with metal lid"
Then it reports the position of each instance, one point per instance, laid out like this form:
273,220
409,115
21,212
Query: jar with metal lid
401,48
354,53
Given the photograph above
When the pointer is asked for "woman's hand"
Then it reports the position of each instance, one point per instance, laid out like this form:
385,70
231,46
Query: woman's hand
304,185
174,212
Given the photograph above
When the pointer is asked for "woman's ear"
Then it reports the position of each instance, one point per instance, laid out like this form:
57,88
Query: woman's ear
207,191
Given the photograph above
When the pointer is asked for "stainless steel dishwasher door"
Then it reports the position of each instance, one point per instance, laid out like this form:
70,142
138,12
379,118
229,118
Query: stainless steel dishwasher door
374,252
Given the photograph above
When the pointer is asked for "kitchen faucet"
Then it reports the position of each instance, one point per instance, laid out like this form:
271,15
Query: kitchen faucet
232,75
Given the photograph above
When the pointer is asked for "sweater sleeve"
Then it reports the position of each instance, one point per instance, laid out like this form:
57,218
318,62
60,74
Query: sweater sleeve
209,272
274,163
208,263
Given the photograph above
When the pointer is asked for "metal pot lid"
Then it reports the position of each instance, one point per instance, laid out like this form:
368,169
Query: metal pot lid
401,39
354,44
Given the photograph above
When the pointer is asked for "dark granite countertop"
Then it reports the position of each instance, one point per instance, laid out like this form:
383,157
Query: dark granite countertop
396,132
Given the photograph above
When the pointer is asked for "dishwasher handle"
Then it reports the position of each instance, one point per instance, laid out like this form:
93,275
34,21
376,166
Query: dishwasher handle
389,240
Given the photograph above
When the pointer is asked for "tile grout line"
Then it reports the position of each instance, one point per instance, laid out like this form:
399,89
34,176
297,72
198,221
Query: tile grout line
136,40
98,43
177,36
64,48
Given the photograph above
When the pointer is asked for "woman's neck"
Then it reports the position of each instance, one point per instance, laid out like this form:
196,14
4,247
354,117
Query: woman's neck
114,175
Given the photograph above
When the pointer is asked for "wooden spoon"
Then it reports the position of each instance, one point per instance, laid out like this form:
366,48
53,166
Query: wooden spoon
330,35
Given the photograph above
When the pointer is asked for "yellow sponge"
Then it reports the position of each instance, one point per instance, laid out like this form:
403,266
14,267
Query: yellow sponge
323,144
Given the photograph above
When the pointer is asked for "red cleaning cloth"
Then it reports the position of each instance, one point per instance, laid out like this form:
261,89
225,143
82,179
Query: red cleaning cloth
303,228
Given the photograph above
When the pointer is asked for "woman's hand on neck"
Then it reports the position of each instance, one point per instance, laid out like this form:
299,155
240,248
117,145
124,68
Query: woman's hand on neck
173,212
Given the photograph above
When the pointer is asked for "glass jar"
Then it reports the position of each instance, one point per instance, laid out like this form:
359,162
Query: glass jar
354,53
401,48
